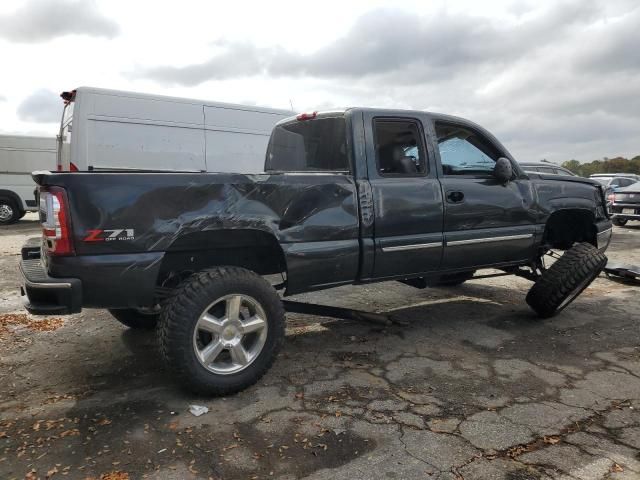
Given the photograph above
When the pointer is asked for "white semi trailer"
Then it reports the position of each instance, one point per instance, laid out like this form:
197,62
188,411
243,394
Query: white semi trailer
116,130
19,156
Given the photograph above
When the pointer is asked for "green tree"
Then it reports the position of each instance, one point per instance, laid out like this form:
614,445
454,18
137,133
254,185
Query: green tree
606,165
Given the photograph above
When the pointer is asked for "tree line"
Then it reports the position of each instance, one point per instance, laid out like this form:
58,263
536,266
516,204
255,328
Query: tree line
606,165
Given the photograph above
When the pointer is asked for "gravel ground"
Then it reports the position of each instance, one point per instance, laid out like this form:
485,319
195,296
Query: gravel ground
473,387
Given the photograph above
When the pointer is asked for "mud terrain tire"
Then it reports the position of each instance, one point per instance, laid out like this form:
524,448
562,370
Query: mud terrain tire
180,330
566,279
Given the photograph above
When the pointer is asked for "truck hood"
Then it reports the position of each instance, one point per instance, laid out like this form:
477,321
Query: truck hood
564,178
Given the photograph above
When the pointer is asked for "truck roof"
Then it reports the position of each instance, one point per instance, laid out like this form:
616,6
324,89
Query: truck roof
148,96
382,112
389,111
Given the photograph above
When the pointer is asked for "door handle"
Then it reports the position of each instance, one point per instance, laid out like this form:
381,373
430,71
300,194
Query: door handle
455,197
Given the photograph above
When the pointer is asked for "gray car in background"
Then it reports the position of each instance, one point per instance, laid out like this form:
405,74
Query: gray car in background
545,167
625,204
614,181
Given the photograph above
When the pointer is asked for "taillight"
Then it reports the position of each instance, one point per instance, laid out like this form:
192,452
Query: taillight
73,167
54,217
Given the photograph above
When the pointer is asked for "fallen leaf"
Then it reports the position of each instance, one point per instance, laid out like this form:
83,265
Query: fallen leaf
117,475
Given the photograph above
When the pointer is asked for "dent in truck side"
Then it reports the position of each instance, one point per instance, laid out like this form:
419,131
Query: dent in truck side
312,217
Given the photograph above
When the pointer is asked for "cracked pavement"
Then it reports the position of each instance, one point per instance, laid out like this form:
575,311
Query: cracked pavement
473,387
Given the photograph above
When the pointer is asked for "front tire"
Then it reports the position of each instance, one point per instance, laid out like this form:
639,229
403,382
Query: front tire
222,330
620,222
566,279
136,319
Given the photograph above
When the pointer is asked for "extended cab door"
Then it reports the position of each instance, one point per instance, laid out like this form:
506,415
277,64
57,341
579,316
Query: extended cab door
486,223
406,196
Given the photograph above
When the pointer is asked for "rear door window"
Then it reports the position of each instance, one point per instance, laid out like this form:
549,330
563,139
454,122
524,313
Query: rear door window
399,147
625,182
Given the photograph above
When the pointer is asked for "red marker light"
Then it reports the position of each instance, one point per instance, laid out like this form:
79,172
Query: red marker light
307,116
68,97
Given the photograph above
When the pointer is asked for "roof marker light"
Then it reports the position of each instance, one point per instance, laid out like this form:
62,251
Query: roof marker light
68,97
307,116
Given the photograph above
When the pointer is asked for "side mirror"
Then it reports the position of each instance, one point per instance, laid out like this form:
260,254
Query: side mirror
503,170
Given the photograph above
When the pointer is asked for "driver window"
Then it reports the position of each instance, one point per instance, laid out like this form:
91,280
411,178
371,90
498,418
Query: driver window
399,148
464,152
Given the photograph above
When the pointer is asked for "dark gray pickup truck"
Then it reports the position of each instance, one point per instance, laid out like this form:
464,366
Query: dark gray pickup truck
348,197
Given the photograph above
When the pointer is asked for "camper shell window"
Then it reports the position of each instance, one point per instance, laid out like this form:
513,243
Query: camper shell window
317,145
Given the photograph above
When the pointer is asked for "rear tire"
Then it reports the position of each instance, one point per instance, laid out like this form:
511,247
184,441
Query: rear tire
620,222
9,211
222,330
136,319
566,279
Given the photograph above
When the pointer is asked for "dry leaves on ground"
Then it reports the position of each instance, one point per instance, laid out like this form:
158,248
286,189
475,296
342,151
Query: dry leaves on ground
118,475
9,320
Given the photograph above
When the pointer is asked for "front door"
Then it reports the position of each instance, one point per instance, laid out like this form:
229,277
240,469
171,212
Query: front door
485,222
407,198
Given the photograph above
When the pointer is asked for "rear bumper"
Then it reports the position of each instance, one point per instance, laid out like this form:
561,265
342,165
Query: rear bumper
68,284
45,295
616,209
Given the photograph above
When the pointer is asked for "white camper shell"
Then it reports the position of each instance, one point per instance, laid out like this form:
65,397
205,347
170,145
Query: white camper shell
115,130
19,156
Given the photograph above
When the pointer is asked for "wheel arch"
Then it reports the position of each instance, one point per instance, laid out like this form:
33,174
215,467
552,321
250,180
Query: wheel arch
253,249
13,196
568,226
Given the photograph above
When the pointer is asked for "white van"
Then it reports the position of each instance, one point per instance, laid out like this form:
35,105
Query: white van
116,130
19,156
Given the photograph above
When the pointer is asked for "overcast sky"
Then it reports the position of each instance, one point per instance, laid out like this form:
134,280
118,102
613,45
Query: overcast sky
551,79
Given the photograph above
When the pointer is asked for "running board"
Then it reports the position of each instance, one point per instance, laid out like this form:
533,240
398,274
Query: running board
339,312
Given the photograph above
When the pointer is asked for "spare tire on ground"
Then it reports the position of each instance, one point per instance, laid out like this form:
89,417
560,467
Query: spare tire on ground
566,279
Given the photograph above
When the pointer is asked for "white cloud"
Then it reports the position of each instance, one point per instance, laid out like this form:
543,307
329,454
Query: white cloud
42,20
554,80
43,106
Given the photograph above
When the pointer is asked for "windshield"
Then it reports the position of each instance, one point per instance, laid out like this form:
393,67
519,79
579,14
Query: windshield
308,145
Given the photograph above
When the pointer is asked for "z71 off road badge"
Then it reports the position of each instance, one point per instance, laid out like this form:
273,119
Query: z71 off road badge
109,235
